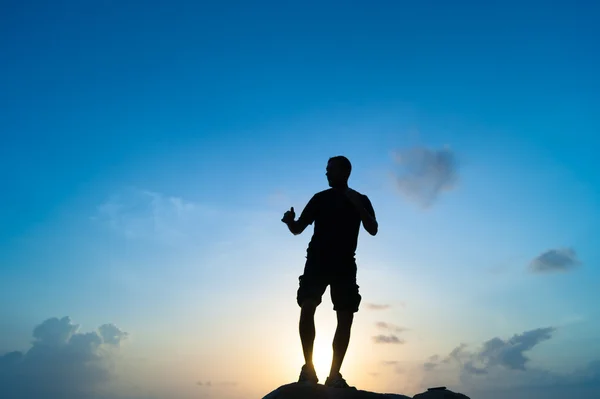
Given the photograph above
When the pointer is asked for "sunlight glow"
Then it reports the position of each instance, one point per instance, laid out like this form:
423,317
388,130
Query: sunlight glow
322,358
325,324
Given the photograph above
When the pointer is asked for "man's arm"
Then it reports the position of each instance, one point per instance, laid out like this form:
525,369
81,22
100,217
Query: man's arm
365,209
307,217
295,227
368,220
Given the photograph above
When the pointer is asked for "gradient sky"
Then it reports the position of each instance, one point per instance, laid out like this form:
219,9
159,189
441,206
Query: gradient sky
149,150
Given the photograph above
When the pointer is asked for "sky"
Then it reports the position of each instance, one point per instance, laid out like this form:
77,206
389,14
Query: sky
148,151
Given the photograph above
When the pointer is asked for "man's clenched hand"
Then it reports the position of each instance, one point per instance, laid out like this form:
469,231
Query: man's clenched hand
289,216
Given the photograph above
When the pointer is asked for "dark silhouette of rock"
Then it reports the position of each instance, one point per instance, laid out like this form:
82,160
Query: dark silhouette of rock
440,393
306,391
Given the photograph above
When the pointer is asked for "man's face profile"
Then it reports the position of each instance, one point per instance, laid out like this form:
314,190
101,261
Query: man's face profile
335,175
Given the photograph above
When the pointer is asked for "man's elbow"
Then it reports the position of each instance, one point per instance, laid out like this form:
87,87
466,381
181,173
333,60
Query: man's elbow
373,229
297,229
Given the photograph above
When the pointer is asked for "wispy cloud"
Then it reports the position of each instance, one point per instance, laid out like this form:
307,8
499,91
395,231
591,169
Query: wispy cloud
422,174
555,260
455,354
428,366
144,214
390,327
432,363
387,339
375,306
389,362
210,384
279,199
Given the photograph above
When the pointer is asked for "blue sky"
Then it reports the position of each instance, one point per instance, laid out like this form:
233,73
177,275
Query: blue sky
148,152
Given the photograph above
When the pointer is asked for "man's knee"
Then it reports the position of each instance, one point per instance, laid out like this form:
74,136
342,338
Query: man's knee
345,317
308,307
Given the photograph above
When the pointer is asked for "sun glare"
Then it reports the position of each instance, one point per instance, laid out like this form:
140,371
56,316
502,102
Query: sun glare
325,323
322,354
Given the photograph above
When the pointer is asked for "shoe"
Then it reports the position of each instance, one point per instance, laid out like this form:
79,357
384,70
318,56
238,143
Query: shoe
308,375
337,382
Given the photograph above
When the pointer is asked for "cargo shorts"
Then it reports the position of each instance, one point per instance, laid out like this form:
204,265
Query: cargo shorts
339,275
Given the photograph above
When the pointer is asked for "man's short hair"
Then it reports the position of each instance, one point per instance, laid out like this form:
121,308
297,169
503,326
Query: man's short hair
344,163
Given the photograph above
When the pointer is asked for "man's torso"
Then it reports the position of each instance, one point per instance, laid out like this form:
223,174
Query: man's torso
336,227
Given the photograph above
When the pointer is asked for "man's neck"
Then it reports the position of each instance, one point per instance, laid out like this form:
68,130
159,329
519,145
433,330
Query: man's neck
340,187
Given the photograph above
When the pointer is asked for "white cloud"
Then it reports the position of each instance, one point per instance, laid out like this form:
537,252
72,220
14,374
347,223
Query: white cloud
422,174
111,334
61,363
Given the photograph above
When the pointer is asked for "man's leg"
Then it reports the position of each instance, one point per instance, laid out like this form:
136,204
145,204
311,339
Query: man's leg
310,292
346,300
307,330
341,340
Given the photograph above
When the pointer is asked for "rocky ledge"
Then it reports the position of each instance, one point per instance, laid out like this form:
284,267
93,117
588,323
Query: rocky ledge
303,391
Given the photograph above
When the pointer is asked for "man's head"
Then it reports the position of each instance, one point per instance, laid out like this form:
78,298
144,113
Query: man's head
338,171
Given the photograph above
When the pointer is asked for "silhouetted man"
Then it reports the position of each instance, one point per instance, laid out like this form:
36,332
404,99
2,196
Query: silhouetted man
337,214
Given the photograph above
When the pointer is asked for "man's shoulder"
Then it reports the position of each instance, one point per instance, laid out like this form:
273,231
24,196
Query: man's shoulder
362,195
323,193
365,199
319,197
329,192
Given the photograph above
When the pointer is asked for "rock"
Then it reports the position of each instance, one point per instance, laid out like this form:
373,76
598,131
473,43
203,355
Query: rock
303,391
440,393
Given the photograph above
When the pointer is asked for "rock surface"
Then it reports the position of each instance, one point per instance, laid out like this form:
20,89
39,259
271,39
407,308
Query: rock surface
303,391
440,393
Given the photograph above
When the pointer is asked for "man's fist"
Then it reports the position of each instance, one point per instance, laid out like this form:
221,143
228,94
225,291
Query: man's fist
289,216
